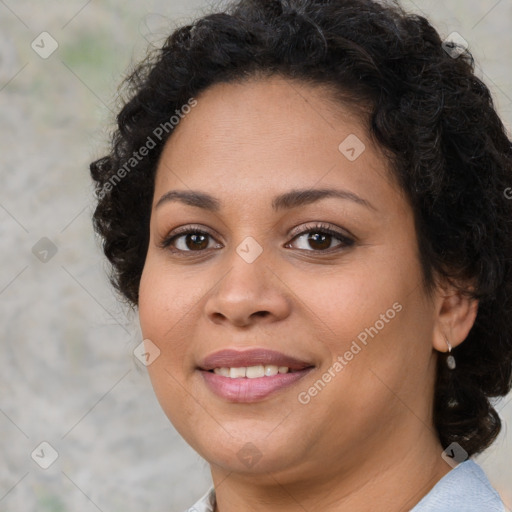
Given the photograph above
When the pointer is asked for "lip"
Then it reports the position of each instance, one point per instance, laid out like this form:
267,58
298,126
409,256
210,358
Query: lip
231,358
250,390
245,390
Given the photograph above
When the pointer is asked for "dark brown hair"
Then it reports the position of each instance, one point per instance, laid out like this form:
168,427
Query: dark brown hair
436,120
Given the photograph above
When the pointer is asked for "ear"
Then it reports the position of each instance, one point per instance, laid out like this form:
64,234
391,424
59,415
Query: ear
455,314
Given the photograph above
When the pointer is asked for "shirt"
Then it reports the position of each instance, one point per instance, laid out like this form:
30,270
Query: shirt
464,489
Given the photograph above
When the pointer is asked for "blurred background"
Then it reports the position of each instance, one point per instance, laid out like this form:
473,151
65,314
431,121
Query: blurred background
80,427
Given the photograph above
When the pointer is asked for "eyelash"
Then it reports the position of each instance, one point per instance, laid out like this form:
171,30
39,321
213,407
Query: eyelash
318,228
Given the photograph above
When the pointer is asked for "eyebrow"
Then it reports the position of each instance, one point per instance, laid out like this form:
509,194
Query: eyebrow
288,200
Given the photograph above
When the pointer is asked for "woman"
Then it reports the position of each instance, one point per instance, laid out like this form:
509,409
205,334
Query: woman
305,201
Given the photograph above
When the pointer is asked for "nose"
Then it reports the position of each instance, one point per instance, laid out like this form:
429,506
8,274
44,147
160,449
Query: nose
248,293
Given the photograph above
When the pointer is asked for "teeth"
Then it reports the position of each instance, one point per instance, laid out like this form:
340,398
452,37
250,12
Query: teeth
251,372
271,370
236,372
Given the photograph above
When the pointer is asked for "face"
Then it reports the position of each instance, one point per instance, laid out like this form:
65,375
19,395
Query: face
327,284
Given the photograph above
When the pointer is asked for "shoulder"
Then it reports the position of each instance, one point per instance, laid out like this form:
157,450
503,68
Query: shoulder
206,503
465,488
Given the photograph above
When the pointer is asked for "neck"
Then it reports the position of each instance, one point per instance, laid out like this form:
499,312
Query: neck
395,478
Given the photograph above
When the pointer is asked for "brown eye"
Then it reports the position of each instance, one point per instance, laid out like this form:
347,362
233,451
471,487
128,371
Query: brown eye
195,241
191,240
320,239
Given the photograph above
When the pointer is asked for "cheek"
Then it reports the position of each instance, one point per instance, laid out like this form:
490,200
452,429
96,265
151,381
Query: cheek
148,302
163,306
348,302
371,316
166,300
153,303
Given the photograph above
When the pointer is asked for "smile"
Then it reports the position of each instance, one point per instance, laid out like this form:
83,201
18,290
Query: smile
250,375
250,389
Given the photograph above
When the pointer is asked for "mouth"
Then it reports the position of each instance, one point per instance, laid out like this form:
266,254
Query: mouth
251,375
252,372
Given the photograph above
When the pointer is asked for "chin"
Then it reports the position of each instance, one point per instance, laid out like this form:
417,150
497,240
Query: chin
253,452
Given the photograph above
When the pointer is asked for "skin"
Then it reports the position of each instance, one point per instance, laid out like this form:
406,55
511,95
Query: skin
366,441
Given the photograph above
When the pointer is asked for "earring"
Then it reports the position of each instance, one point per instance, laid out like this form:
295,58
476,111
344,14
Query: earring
450,360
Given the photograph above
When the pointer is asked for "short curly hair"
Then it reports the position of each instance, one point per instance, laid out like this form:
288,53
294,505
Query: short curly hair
448,149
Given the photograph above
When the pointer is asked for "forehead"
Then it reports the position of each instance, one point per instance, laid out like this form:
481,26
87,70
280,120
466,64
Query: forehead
269,135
